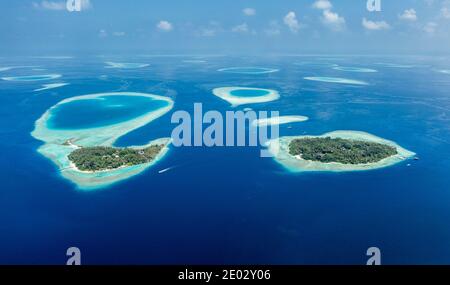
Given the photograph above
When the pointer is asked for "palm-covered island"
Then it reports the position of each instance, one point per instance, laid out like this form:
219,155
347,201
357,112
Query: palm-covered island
102,158
339,150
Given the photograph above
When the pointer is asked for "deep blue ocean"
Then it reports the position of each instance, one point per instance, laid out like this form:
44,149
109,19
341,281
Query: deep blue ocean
229,205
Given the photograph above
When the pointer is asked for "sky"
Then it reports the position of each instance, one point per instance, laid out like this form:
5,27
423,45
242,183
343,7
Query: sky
225,27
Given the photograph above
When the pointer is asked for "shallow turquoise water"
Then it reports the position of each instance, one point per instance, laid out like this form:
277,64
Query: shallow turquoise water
249,92
101,111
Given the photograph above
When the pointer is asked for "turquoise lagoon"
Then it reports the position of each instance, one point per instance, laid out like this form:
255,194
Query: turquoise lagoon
249,92
102,111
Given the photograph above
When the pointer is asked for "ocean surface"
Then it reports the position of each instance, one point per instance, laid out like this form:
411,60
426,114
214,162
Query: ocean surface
228,205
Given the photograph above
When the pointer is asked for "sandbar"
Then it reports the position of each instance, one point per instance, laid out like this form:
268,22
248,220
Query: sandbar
279,120
355,69
15,67
194,61
51,86
396,65
249,70
125,65
33,77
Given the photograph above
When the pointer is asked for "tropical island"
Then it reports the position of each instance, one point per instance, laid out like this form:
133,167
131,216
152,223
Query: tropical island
340,150
104,158
337,151
83,150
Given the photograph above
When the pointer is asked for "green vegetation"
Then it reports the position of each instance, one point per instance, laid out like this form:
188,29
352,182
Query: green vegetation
340,150
106,158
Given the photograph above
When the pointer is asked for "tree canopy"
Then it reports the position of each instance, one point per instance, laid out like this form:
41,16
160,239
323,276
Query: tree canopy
340,150
105,158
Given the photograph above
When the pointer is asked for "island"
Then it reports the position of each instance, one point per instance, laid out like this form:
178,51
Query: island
103,158
83,149
337,151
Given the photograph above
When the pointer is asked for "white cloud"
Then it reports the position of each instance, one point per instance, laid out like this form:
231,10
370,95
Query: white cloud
50,5
207,32
322,5
102,33
211,30
408,15
291,21
329,18
333,20
273,30
60,5
86,4
430,27
375,26
164,26
445,12
119,34
249,12
242,28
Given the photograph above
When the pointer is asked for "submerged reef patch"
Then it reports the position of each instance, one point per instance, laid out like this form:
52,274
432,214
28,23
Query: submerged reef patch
125,65
33,77
245,95
337,80
249,70
355,69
